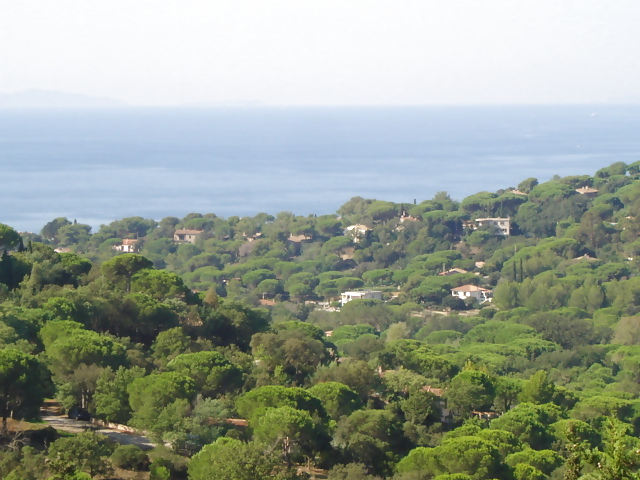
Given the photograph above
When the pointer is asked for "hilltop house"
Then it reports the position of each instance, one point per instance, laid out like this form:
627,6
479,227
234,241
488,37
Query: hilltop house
453,271
186,235
346,297
587,191
298,238
128,245
356,232
502,224
472,291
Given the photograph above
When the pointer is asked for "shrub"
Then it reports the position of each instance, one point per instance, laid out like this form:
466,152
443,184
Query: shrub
130,457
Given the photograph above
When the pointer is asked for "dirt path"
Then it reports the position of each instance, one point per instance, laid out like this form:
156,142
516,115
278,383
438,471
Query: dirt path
61,422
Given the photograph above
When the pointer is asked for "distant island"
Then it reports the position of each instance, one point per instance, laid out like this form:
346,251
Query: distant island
50,99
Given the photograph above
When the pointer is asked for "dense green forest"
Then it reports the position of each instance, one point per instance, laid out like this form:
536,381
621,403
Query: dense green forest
231,349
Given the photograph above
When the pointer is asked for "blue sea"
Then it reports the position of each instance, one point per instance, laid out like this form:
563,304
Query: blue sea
97,166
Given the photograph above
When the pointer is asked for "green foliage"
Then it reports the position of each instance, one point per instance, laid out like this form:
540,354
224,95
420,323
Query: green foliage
122,268
160,285
371,437
470,390
292,350
111,398
22,385
538,389
86,452
468,455
150,396
351,471
557,356
276,396
351,332
212,373
68,352
9,238
338,399
545,461
530,423
358,375
129,457
234,460
288,430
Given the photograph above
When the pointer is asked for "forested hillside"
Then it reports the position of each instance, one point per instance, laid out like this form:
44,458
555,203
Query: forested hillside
224,338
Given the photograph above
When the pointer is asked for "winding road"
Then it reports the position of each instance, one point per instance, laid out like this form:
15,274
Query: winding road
61,422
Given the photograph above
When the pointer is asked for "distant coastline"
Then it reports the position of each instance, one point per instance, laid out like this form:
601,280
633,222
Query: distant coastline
96,165
44,99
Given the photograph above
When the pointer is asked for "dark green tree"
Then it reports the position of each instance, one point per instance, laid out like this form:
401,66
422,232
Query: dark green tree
22,385
122,268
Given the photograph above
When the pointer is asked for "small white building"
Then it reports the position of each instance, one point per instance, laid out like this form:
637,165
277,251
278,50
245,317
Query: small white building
128,245
186,235
356,232
502,224
472,291
346,297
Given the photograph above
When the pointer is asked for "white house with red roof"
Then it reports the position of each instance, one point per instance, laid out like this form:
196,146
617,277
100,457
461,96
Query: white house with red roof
472,291
128,245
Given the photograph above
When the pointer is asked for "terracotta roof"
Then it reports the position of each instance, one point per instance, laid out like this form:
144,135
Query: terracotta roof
298,238
436,391
517,192
453,271
470,288
129,241
238,422
188,232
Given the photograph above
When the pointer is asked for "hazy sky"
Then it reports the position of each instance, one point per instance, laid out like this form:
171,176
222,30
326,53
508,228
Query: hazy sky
327,52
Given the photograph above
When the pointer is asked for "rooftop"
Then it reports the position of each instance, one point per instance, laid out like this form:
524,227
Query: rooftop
453,271
470,288
583,190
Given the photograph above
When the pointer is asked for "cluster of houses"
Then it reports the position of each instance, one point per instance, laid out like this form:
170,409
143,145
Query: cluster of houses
129,245
462,292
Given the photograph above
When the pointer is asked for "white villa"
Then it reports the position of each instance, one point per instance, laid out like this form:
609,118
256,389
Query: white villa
502,224
346,297
472,291
128,245
356,232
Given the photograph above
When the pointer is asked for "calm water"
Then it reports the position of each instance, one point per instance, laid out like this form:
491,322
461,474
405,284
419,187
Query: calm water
101,165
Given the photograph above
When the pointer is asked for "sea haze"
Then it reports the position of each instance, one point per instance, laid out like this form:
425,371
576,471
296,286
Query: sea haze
100,165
